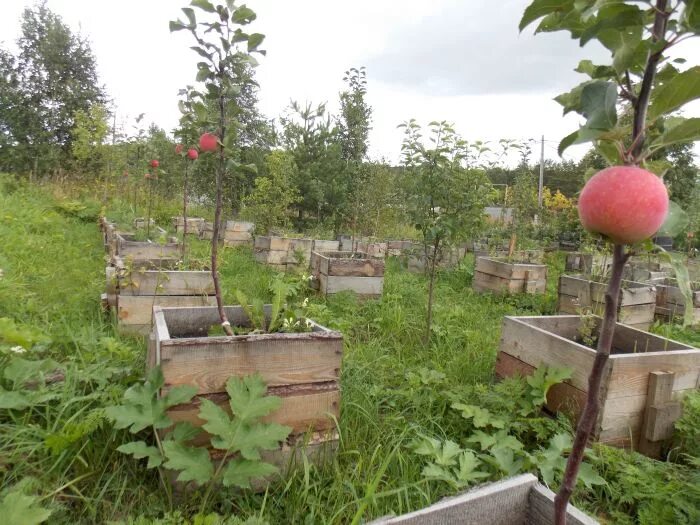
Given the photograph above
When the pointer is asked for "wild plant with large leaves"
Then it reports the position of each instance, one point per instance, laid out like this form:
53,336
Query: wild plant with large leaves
240,437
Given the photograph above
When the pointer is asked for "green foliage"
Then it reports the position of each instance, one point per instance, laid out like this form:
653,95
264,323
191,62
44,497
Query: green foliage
687,427
637,48
243,434
268,204
21,509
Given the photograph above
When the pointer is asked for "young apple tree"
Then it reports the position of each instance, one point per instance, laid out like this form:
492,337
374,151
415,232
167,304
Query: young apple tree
444,199
223,45
625,203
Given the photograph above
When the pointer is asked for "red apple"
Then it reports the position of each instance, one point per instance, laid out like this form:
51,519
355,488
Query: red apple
192,154
179,148
208,142
155,163
625,203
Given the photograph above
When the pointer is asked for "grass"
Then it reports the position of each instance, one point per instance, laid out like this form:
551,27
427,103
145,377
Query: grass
393,387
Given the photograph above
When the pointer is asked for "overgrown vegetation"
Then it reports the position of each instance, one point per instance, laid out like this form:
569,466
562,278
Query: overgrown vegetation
59,447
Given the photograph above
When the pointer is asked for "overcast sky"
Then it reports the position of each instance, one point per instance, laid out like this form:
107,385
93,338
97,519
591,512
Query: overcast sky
457,60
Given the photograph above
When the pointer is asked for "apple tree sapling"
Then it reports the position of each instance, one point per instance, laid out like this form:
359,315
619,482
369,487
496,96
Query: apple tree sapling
151,176
625,203
223,45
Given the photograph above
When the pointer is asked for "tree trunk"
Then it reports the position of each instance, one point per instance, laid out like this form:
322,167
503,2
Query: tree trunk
431,287
184,213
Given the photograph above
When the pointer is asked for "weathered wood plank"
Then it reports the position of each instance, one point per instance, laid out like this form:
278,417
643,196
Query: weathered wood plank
510,270
166,283
484,282
541,509
138,309
325,246
368,286
315,407
207,363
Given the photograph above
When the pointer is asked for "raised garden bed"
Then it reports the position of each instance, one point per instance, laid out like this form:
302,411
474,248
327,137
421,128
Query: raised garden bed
528,343
644,269
134,293
670,302
588,263
398,248
283,252
519,500
194,225
503,275
344,271
145,253
320,245
232,233
370,248
417,262
140,223
636,306
301,368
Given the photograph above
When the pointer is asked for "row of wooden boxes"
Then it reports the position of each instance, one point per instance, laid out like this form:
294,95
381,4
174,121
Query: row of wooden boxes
231,233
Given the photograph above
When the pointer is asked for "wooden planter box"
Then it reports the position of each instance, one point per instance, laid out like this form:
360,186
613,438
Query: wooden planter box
301,368
670,302
493,274
519,500
140,224
370,248
588,263
417,262
339,271
528,343
194,225
135,293
146,252
231,233
283,252
642,269
325,246
398,248
636,304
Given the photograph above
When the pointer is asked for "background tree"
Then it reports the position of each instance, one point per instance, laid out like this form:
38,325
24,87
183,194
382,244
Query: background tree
444,199
274,194
353,129
51,79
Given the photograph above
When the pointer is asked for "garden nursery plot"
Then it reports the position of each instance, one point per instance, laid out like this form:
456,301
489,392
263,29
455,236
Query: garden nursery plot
412,422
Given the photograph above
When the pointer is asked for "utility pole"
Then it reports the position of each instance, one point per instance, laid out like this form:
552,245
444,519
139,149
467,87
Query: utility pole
541,185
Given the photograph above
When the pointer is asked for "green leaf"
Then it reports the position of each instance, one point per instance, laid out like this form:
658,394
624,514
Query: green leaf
19,509
617,17
504,460
184,431
598,101
13,400
680,269
262,436
219,425
676,221
678,130
468,465
189,13
176,25
238,472
690,18
140,450
243,15
204,5
20,371
540,8
543,379
201,52
673,94
480,417
588,476
247,398
193,463
609,151
254,40
179,394
141,407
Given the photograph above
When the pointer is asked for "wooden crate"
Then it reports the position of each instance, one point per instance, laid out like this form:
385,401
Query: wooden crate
670,302
341,271
283,252
301,368
126,246
371,249
320,245
636,304
588,263
528,343
134,292
231,233
494,274
519,500
194,225
398,248
417,262
646,269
